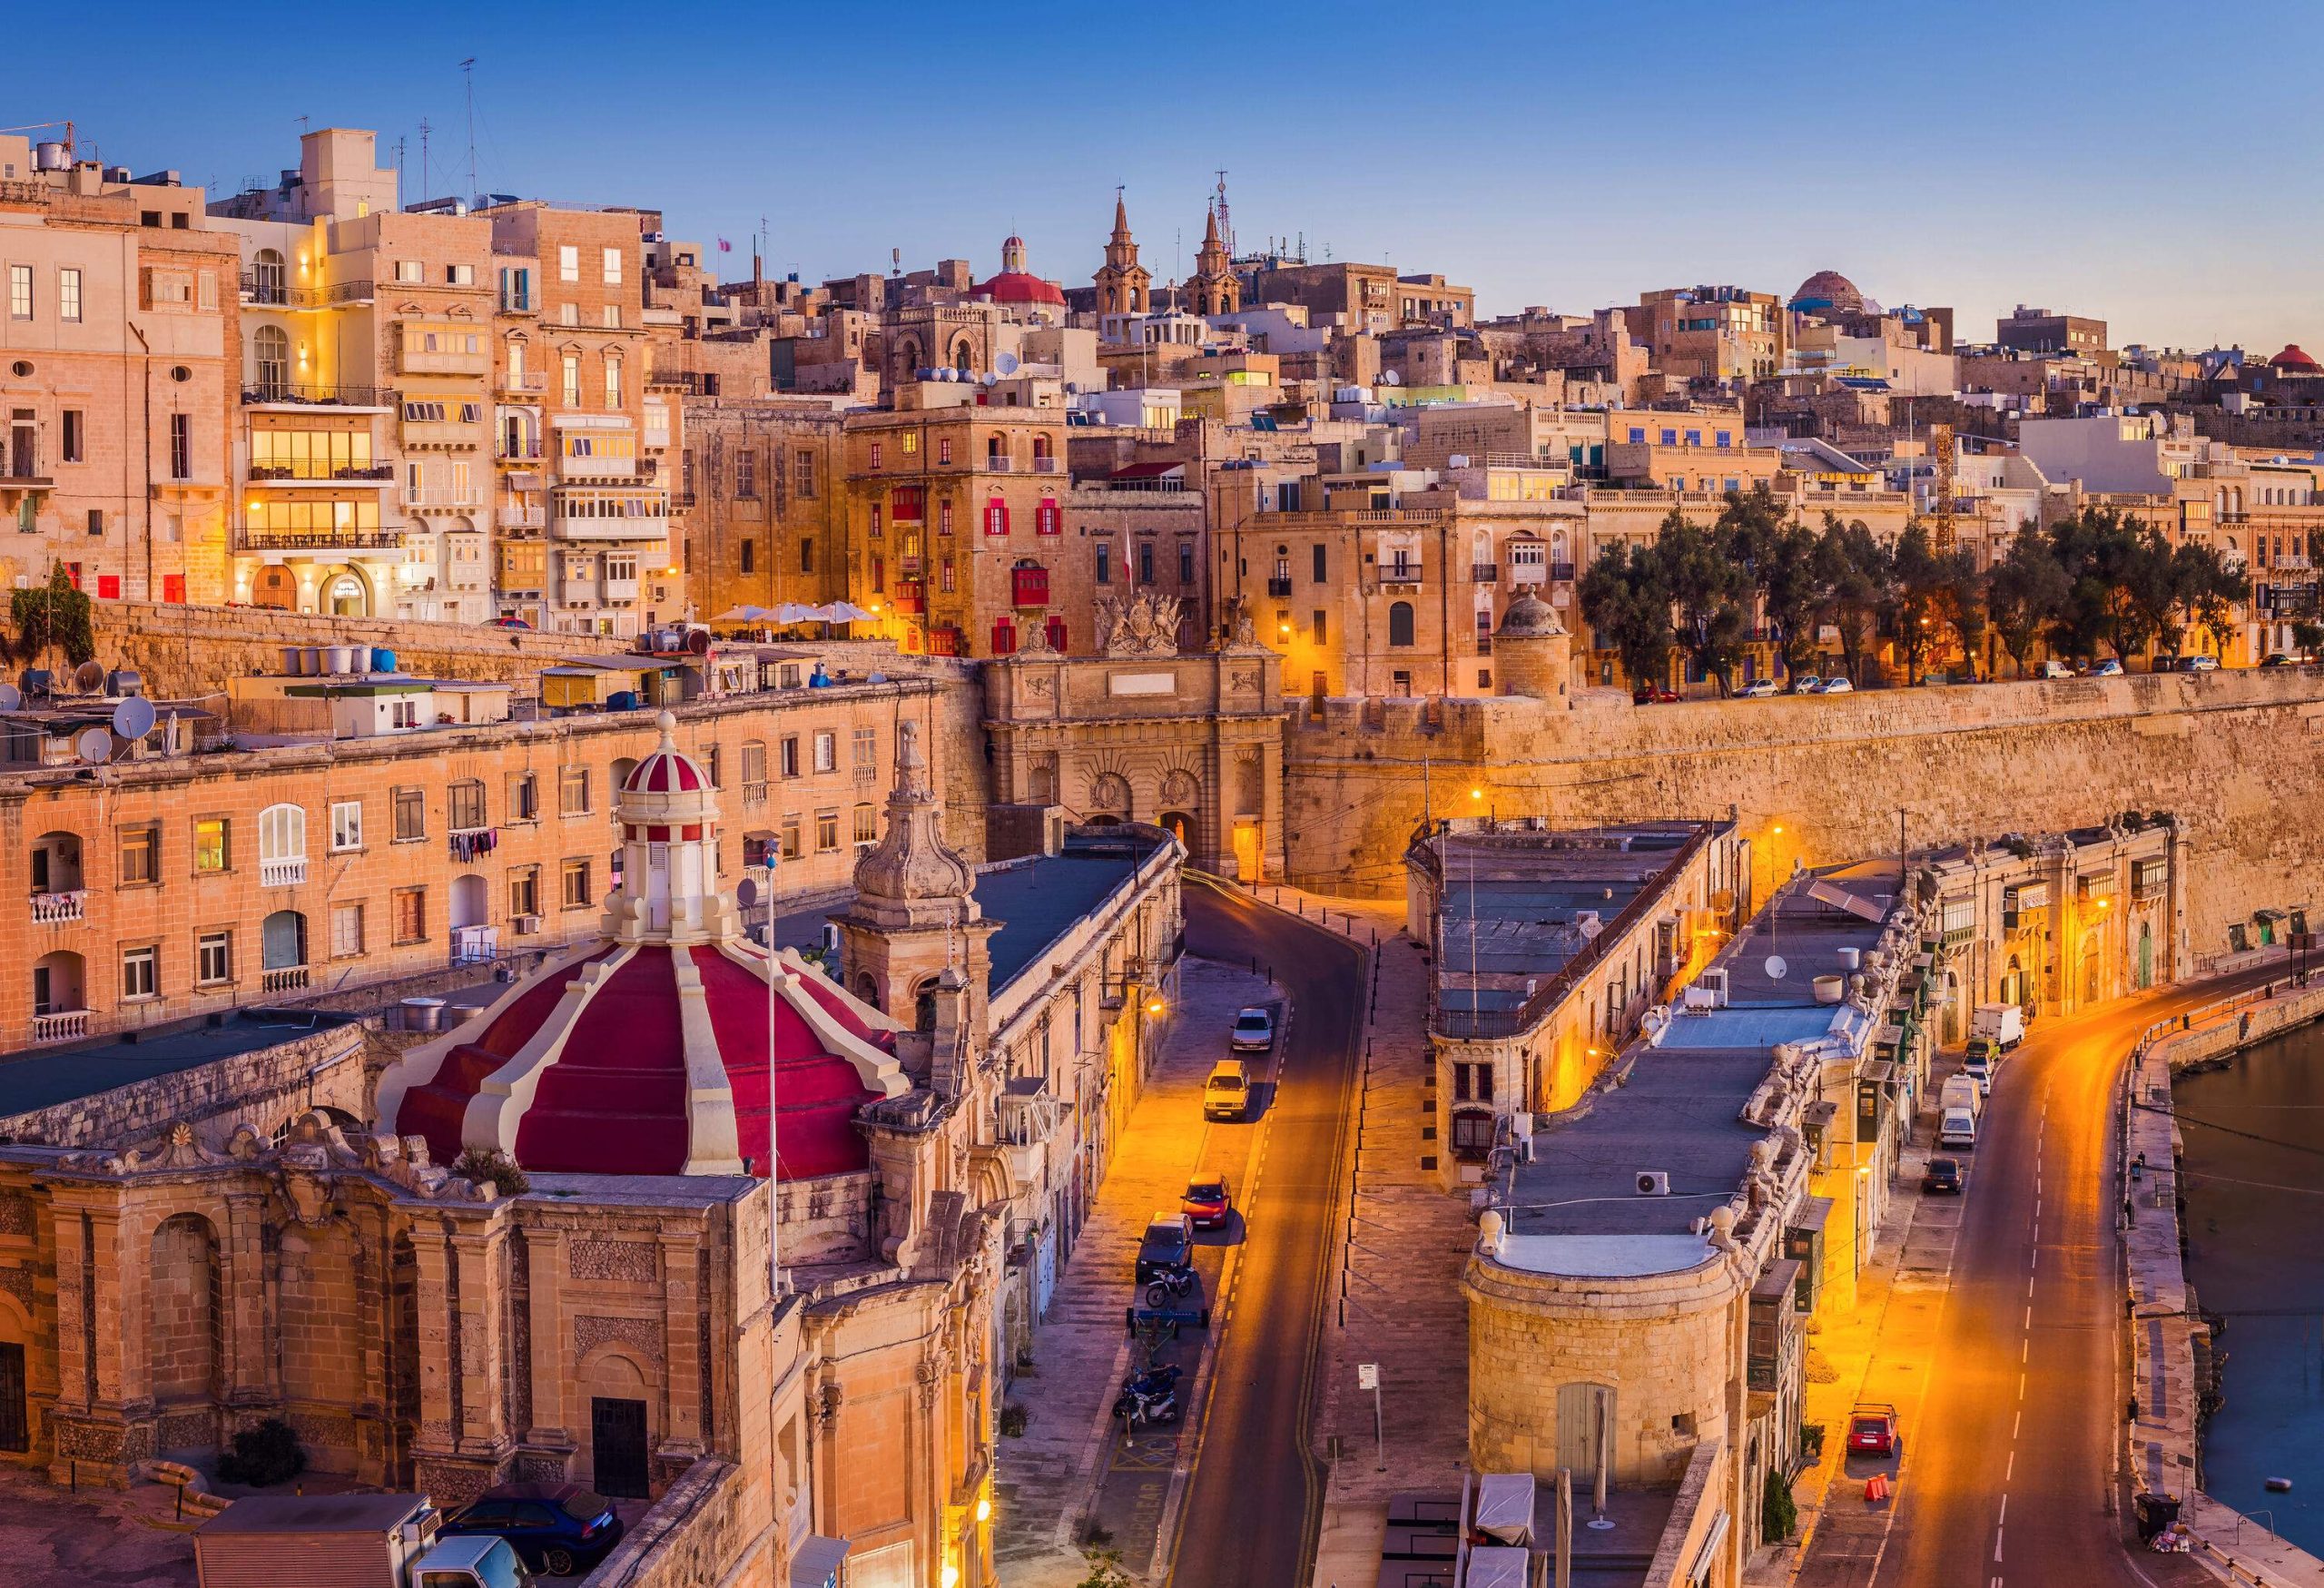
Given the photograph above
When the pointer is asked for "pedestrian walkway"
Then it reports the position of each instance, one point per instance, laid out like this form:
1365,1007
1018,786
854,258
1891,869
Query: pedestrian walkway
1397,1300
1072,1465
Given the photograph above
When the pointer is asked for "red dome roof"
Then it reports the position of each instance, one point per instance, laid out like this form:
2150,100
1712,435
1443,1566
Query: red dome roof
2291,358
608,1093
1020,287
664,772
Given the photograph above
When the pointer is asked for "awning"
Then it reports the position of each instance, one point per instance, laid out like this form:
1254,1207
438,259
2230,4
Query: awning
817,1563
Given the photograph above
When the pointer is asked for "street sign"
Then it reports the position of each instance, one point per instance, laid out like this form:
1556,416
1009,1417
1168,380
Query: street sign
1367,1375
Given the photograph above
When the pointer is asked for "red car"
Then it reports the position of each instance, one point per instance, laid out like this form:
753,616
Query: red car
1872,1430
1207,1204
1654,695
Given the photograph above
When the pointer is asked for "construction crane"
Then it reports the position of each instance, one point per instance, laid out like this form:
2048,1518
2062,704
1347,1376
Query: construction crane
1946,452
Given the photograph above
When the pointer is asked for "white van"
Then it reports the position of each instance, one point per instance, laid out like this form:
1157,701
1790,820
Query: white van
1958,1128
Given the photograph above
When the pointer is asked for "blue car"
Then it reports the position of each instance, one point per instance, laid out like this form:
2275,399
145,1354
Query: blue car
556,1529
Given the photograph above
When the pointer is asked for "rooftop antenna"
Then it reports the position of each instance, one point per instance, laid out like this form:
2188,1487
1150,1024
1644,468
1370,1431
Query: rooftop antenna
424,130
400,142
302,121
468,73
1225,225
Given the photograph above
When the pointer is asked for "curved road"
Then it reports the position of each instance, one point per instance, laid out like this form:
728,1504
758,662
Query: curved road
2009,1458
1253,1501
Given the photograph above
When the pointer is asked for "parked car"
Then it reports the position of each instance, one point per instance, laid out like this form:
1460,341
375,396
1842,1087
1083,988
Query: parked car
2053,669
1807,684
1837,686
2110,667
556,1528
1942,1177
1208,1204
1227,1092
1167,1246
1254,1031
2279,659
506,623
2201,662
1654,695
1759,689
1872,1430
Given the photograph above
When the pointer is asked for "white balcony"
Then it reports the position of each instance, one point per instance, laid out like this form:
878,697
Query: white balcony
55,909
288,979
411,360
282,873
443,499
62,1026
519,517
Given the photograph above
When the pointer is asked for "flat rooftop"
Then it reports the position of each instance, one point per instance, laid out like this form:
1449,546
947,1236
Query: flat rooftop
1515,901
1575,1210
1041,899
50,1076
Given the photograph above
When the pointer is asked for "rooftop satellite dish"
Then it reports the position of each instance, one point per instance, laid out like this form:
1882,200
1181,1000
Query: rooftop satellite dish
988,379
1006,363
698,642
11,697
746,892
1389,378
134,718
89,676
1775,968
94,747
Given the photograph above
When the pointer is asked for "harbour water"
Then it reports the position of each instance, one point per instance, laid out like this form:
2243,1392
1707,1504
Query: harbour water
2254,1166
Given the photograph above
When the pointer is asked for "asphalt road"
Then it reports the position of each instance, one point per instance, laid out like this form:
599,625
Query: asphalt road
1254,1503
2007,1467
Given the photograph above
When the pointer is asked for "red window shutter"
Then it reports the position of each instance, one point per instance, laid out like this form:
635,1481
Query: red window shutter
108,586
944,516
1046,520
72,572
1004,638
173,588
1057,633
996,516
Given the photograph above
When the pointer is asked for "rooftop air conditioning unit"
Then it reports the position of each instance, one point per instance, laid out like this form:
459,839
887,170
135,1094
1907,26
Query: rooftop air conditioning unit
1653,1183
527,923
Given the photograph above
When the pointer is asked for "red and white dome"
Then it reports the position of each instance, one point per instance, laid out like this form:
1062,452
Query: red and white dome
672,1044
1015,283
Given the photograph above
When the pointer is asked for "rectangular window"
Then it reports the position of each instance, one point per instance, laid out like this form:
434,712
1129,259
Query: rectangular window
1186,562
574,885
572,381
826,751
345,826
76,435
346,931
213,958
525,890
790,757
791,835
867,823
411,914
412,815
747,473
867,754
140,972
524,796
140,855
68,295
1316,625
1319,564
1146,562
612,258
802,476
807,555
213,846
181,446
464,807
20,292
573,791
826,832
460,275
569,263
411,271
1105,563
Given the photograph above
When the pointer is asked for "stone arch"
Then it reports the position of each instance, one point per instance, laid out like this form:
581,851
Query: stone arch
618,1371
185,1330
923,1005
1041,781
2092,967
275,585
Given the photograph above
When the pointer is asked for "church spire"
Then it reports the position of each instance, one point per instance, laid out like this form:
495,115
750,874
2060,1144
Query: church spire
1121,218
913,877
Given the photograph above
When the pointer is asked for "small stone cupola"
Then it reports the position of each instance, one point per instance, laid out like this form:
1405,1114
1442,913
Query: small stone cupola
667,815
1532,651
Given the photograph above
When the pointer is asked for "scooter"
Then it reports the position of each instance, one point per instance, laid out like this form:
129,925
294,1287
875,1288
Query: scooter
1139,1409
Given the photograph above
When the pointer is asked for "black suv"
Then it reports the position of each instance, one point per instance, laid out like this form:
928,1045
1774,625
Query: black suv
1168,1244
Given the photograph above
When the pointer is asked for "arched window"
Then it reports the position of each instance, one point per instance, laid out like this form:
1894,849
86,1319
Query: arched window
282,845
267,276
282,940
271,361
923,1006
960,357
1400,623
1040,446
996,445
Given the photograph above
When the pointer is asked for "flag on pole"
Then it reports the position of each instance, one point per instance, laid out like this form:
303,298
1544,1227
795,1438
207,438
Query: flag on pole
724,246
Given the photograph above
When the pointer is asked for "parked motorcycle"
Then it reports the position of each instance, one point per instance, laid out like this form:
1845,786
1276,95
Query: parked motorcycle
1168,1286
1140,1410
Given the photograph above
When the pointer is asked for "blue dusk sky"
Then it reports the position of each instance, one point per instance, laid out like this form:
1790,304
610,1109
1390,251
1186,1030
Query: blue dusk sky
2155,165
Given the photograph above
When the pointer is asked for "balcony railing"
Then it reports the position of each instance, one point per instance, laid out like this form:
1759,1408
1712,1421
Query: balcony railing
1045,465
287,978
1279,588
468,844
531,380
519,517
282,873
1484,572
997,462
278,473
319,393
1561,573
523,452
380,540
53,909
444,497
280,295
1030,587
62,1026
1400,573
911,600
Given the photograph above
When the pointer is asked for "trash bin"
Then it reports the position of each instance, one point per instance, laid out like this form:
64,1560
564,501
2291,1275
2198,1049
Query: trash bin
2156,1512
423,1015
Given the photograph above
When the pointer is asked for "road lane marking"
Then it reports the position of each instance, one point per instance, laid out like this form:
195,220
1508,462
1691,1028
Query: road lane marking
2021,1386
1997,1546
2003,1520
2025,1350
2008,1473
2016,1422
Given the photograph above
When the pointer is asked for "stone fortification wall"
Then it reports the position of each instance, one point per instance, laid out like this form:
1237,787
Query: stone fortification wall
259,1089
2233,754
